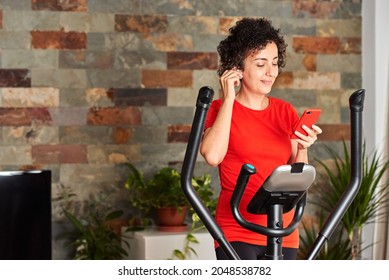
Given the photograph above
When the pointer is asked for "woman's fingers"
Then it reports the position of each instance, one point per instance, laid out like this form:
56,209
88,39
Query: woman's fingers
234,75
317,129
306,141
229,80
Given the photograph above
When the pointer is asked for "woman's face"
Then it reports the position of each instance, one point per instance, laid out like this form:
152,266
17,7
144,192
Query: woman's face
261,70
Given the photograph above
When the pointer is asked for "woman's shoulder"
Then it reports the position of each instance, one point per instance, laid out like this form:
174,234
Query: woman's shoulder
283,108
216,103
280,103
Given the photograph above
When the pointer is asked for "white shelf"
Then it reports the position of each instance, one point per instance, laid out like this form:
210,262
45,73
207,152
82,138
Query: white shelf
152,244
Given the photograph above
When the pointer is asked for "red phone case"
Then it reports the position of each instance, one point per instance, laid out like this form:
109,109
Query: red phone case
309,117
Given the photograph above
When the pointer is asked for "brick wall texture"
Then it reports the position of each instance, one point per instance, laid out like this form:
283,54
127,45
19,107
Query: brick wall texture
86,85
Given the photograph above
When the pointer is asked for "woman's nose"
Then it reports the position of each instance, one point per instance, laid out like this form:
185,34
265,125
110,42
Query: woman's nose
271,70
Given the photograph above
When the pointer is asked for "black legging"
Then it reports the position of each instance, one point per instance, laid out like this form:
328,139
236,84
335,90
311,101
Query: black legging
253,252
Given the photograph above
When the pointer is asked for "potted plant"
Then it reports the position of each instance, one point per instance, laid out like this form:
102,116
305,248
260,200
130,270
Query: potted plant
370,202
93,234
161,193
153,194
95,239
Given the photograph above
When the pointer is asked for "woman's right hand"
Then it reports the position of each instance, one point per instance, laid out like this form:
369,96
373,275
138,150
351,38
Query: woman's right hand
229,80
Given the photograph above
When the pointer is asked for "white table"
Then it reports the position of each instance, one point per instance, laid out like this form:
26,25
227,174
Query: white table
152,244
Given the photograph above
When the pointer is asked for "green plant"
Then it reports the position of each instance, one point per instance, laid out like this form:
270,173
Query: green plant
368,203
95,239
163,190
92,236
336,248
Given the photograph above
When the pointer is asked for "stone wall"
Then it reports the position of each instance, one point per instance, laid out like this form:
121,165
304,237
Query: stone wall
86,85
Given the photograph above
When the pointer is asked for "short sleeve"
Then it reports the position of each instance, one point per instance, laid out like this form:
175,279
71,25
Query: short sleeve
212,113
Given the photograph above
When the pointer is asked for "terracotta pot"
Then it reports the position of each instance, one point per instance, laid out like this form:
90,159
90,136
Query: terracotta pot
171,219
117,225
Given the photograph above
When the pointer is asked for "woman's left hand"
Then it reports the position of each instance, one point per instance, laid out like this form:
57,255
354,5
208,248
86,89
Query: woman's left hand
304,142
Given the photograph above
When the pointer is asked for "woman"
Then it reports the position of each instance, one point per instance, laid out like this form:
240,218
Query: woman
247,126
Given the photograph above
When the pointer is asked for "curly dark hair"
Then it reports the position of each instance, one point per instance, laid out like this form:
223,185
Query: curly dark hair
247,36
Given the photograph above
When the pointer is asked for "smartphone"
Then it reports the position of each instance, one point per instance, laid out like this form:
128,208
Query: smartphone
309,117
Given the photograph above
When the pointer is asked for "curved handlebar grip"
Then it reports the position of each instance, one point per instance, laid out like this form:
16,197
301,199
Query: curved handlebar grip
356,100
245,172
204,100
205,97
356,107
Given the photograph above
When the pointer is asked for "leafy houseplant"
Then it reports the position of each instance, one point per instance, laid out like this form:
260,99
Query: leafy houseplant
164,189
92,236
336,248
368,203
160,192
155,193
95,239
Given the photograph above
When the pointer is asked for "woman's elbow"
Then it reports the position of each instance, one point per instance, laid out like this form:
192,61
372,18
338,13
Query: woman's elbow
210,158
212,162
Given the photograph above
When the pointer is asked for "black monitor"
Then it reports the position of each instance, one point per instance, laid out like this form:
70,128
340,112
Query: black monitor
25,215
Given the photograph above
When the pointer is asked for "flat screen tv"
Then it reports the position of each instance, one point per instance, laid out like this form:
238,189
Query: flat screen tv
25,215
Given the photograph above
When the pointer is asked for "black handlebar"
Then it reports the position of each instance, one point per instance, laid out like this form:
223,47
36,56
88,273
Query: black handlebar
204,100
246,171
356,107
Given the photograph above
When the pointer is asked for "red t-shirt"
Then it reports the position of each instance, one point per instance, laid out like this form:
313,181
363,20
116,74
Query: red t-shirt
260,138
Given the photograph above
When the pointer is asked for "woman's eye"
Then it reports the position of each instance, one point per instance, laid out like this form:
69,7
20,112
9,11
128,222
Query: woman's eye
261,65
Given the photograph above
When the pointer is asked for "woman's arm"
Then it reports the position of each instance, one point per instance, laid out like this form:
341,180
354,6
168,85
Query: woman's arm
215,139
